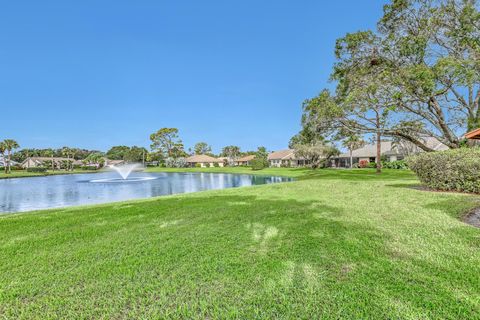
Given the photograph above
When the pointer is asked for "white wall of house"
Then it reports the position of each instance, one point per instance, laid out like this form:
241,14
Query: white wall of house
207,164
275,163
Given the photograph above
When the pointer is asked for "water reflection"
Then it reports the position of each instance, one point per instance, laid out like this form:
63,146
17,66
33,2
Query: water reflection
26,194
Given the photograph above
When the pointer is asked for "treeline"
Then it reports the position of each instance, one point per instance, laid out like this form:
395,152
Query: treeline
166,143
74,153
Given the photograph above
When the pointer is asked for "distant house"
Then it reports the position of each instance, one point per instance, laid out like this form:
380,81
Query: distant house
390,151
225,160
286,158
4,162
203,161
245,161
78,163
33,162
109,162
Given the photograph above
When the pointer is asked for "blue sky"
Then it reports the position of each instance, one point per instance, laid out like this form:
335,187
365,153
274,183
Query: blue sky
94,74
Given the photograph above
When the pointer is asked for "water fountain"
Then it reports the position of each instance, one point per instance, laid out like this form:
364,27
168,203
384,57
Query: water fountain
124,171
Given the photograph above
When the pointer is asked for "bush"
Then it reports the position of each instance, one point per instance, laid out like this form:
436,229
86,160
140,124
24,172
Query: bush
89,167
198,165
364,164
372,165
451,170
258,164
216,164
287,164
175,163
399,164
37,169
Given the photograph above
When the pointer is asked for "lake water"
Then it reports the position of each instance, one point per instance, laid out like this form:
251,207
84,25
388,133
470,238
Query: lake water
25,194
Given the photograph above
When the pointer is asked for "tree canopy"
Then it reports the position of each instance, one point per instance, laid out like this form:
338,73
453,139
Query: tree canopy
167,142
202,148
416,76
232,152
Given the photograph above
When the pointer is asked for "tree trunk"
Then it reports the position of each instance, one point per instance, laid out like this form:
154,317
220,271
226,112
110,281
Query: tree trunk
379,153
351,159
379,147
53,164
9,159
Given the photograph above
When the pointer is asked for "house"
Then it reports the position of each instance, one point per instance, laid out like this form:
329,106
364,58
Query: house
4,162
33,162
286,158
109,162
474,135
203,161
245,161
368,153
390,151
225,160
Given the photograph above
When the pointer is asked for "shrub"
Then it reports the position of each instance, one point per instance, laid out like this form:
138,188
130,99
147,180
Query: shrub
451,170
198,165
287,164
258,164
363,163
89,167
372,165
216,164
175,163
399,164
37,169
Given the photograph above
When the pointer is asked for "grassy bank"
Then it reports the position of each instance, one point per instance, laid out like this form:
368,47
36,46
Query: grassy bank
333,244
26,174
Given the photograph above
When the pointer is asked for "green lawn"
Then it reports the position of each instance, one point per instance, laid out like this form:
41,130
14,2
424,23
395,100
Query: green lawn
333,244
26,174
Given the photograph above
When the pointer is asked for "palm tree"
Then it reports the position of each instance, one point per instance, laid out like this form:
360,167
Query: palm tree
2,153
66,152
353,142
49,153
10,145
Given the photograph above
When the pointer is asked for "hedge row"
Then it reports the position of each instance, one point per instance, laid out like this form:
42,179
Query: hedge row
451,170
37,169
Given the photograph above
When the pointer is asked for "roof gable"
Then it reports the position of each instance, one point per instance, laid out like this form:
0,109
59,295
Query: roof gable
287,154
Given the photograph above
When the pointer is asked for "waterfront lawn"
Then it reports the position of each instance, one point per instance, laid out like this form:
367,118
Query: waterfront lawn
333,244
26,174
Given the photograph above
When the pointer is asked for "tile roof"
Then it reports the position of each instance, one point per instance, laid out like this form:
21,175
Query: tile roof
287,154
475,134
246,158
202,158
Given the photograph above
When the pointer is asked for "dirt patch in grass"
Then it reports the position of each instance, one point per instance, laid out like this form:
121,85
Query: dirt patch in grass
473,218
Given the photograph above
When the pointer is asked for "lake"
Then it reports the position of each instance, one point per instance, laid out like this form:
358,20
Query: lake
26,194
